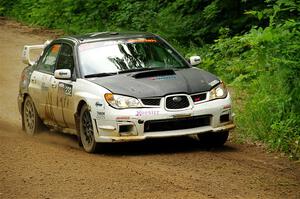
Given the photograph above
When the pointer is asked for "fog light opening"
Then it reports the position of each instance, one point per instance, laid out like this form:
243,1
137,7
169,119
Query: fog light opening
125,129
224,118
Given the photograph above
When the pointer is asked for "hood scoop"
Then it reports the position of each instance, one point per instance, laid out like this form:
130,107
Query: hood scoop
157,82
153,73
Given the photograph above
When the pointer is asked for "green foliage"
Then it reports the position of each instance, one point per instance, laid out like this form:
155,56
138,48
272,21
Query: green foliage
185,21
265,63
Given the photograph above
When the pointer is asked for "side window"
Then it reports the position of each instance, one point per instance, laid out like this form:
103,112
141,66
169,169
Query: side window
65,59
47,63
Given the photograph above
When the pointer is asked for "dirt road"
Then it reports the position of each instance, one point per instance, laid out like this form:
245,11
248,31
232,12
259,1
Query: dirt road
51,165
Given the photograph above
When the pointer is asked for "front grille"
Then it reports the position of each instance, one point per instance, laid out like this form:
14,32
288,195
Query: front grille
199,97
177,102
177,123
151,101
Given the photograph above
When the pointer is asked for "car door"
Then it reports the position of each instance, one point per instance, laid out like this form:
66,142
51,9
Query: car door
40,87
63,95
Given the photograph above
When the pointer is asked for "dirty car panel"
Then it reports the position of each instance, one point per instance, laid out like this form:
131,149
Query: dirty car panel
115,87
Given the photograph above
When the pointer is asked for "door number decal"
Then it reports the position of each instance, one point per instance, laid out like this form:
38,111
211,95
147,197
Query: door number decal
67,88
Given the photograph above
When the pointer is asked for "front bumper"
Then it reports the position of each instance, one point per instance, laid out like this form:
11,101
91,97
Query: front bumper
130,124
164,134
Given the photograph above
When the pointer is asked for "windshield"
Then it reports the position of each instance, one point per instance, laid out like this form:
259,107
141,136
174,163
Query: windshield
131,54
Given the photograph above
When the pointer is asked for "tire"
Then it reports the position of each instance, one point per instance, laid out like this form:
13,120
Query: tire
86,130
213,139
30,118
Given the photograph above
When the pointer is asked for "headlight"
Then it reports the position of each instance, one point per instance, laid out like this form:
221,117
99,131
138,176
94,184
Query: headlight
218,92
120,101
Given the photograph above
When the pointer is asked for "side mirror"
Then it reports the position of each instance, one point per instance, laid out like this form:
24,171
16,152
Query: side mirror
62,74
195,60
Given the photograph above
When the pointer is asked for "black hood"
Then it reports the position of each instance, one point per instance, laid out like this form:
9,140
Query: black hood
151,84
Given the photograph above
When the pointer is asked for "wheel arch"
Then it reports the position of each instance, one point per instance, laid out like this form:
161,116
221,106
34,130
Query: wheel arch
25,95
77,114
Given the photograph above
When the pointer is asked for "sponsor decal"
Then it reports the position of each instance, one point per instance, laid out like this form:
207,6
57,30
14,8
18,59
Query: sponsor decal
100,103
213,83
167,77
61,85
100,115
228,106
182,115
62,73
141,40
146,113
123,118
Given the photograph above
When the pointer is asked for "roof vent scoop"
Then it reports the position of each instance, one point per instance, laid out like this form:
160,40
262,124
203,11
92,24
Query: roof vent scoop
113,33
103,33
97,33
154,73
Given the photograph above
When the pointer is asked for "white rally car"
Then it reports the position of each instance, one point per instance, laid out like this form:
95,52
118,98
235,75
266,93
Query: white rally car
114,87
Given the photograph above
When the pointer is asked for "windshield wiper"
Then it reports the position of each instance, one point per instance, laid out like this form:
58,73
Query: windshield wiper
100,75
124,71
137,70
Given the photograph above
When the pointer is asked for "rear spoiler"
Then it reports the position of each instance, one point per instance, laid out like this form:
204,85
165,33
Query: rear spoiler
26,52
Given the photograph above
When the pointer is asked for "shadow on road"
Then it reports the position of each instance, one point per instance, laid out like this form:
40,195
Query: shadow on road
170,145
160,146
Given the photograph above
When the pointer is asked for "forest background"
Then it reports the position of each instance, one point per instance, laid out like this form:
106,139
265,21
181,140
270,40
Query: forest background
253,45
